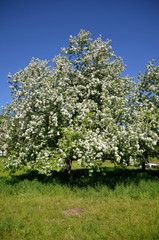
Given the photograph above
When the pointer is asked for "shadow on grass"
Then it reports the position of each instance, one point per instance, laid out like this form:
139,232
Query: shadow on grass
110,177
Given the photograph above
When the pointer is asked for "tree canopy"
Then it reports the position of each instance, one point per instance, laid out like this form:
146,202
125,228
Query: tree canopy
81,108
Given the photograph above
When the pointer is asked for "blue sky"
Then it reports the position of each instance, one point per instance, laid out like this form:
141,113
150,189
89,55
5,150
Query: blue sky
39,28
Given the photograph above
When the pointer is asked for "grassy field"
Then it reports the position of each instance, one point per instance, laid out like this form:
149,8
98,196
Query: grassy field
114,204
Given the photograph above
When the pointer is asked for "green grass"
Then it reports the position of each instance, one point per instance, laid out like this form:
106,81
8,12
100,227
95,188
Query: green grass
42,217
117,203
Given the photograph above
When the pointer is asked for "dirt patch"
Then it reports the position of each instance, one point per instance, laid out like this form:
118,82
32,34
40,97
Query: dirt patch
70,212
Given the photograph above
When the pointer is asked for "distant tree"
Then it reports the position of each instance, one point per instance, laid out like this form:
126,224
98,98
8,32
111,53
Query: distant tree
148,87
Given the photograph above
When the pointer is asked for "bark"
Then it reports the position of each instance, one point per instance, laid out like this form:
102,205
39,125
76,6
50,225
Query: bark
68,169
143,166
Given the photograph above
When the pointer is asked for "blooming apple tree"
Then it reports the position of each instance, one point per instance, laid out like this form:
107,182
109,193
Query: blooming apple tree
148,101
80,109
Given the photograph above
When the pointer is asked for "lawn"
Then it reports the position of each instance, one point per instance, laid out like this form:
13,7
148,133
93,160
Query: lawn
113,204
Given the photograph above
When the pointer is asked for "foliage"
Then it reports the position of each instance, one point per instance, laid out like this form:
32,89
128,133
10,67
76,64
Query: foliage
80,109
3,132
148,97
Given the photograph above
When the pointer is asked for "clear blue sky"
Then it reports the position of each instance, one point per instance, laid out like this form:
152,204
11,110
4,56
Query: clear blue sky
39,28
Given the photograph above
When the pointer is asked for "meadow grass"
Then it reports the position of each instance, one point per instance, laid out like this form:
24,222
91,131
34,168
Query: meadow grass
117,204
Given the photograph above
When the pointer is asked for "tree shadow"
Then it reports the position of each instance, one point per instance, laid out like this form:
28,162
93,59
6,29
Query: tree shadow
113,177
81,178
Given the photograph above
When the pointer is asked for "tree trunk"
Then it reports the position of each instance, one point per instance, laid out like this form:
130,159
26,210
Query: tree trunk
143,166
68,169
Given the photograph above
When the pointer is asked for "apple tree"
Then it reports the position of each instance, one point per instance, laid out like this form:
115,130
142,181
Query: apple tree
79,108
